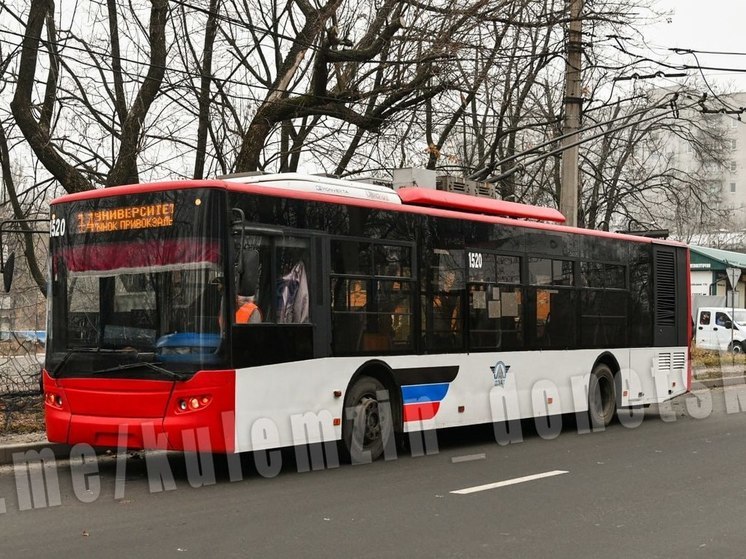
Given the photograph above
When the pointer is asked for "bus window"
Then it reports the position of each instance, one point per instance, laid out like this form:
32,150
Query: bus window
251,285
494,301
371,285
444,320
291,292
555,318
271,280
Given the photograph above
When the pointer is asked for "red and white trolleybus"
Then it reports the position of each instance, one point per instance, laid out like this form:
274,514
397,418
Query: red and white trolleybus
380,312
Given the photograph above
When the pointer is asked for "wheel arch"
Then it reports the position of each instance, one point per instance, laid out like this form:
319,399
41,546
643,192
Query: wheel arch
607,358
381,371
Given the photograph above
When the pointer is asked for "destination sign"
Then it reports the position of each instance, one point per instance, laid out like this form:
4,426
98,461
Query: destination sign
125,219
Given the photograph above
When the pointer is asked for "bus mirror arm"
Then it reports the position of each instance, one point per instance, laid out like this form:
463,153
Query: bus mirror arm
14,226
7,270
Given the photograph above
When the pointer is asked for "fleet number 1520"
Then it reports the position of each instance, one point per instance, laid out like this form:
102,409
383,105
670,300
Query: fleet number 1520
57,227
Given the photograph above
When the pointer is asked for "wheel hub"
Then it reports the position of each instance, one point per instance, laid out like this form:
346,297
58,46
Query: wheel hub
369,407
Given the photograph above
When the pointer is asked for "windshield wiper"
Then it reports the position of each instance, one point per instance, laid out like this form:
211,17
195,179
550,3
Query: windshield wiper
148,364
69,353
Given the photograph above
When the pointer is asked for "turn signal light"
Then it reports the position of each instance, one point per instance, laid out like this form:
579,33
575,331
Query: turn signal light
193,403
54,400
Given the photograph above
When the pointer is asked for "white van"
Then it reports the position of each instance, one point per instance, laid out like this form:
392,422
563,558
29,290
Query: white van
715,328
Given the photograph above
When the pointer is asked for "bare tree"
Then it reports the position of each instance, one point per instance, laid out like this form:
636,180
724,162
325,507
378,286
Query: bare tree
127,126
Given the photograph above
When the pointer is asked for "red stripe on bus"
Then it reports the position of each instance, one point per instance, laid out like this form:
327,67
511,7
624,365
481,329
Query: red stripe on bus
420,412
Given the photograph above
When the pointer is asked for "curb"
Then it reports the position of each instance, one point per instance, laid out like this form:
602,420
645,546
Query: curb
719,382
6,452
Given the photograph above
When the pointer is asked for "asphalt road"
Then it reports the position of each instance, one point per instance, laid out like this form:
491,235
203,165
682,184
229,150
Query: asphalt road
674,486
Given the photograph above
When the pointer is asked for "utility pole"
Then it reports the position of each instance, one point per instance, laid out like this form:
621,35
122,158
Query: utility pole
573,104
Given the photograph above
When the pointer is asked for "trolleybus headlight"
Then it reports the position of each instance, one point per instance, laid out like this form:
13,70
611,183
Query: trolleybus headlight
54,400
193,403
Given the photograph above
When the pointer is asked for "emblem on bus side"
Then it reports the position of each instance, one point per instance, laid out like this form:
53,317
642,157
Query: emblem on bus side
500,373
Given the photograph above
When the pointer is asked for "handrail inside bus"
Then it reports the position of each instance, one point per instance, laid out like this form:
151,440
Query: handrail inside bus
258,229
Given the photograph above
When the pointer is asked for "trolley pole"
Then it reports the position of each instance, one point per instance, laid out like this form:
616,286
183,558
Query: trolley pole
573,104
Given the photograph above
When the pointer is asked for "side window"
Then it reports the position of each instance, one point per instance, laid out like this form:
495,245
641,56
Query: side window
495,301
604,302
555,302
555,318
704,318
543,271
292,261
721,319
252,279
442,303
371,293
271,280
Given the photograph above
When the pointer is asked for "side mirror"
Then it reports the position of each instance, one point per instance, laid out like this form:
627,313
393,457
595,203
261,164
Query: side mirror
728,324
8,271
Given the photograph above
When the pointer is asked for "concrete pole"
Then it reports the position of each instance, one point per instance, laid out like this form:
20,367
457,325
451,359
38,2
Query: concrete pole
573,104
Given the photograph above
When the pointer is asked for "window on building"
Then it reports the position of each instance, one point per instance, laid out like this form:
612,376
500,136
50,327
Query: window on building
714,187
733,166
732,187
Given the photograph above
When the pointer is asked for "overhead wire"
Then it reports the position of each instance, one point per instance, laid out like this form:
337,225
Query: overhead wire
551,153
234,21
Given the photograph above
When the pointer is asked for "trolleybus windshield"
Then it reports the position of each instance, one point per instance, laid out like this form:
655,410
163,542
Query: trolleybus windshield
137,283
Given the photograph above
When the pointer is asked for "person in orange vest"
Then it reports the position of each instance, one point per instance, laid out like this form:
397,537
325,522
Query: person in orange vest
247,311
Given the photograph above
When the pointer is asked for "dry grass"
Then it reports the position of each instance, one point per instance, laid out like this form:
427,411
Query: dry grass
21,414
705,358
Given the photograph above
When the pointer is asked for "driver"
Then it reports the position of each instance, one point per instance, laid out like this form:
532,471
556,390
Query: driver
247,311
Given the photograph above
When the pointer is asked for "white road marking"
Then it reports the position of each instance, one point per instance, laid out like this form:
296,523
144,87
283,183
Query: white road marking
468,458
507,482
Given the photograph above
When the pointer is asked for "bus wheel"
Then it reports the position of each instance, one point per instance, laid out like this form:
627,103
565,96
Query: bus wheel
365,429
601,396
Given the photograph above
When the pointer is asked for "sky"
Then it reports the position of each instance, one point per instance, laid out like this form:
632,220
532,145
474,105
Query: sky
705,25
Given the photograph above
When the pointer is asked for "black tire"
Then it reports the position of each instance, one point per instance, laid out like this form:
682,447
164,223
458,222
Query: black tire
372,435
602,396
736,347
